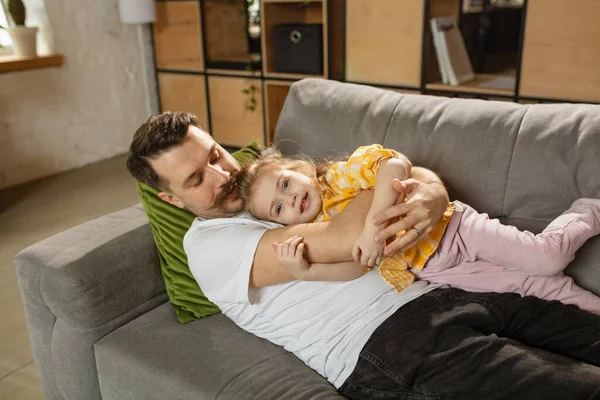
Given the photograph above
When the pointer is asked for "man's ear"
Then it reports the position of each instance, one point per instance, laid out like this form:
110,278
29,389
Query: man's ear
171,199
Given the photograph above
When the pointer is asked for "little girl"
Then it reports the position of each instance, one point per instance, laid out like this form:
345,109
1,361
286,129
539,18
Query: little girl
465,249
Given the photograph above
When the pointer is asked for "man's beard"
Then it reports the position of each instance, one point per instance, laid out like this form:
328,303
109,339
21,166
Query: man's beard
224,195
217,210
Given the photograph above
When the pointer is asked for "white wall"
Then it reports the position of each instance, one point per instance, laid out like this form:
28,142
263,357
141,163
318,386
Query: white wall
56,119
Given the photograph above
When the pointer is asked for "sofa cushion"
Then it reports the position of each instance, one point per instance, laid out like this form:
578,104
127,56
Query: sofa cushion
556,160
169,225
154,357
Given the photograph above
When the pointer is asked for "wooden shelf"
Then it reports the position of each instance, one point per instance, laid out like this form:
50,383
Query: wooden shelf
291,1
15,63
402,91
282,75
474,86
216,71
479,9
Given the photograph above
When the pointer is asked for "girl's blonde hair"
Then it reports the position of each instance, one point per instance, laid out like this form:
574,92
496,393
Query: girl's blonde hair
248,176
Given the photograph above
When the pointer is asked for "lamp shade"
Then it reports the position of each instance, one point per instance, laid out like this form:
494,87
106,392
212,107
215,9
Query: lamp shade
136,11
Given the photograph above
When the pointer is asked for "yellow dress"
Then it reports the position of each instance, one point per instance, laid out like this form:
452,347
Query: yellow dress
346,180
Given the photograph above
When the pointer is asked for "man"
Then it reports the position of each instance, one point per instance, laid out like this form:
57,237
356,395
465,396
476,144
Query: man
367,340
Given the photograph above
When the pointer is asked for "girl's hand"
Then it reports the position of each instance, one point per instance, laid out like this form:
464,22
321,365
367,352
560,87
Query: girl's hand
290,255
424,206
366,250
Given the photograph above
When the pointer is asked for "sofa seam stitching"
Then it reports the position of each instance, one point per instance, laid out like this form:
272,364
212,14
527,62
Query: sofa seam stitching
510,163
126,312
385,133
136,307
244,371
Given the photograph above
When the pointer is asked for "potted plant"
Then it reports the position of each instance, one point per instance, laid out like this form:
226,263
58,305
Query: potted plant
24,38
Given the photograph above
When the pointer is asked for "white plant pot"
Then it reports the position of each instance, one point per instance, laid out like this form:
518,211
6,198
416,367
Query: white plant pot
24,40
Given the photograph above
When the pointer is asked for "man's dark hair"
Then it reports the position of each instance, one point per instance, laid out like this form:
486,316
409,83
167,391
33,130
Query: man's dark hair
160,133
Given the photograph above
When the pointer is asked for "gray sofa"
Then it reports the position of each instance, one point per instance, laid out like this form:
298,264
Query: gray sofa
99,319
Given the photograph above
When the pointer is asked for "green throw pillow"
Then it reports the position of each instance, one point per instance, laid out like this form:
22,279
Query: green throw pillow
169,224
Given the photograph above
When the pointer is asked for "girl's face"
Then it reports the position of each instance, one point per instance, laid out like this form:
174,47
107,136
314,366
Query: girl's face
287,197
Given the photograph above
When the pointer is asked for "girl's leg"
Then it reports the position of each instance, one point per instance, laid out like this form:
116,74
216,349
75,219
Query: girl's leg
481,276
545,254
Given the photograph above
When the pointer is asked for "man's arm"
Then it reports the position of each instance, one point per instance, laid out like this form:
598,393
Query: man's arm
366,249
427,200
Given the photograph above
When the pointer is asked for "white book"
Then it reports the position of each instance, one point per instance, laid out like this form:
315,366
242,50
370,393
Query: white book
441,57
453,47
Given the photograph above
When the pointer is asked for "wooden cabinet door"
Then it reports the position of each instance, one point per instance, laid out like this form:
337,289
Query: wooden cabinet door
181,92
383,41
561,51
233,122
178,36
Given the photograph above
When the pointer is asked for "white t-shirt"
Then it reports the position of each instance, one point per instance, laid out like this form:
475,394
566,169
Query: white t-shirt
325,324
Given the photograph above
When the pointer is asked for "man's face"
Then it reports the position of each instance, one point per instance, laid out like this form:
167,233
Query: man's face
198,176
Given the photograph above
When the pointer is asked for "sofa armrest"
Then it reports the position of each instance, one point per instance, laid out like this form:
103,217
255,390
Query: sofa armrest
80,285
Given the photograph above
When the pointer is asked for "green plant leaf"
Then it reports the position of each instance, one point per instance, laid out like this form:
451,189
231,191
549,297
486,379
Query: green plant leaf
17,12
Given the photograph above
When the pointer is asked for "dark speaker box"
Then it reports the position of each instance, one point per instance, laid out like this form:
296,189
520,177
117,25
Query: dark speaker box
298,48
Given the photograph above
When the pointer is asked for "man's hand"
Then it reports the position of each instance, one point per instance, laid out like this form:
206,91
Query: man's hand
424,206
290,255
366,250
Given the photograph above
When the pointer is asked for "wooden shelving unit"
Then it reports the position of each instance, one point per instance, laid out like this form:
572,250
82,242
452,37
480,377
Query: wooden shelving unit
203,58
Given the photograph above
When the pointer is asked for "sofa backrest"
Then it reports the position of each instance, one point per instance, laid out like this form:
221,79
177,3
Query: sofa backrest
524,164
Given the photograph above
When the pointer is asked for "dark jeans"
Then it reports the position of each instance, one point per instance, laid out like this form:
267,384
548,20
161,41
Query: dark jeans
452,344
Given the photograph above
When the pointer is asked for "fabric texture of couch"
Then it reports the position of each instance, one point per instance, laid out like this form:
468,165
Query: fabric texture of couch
97,312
